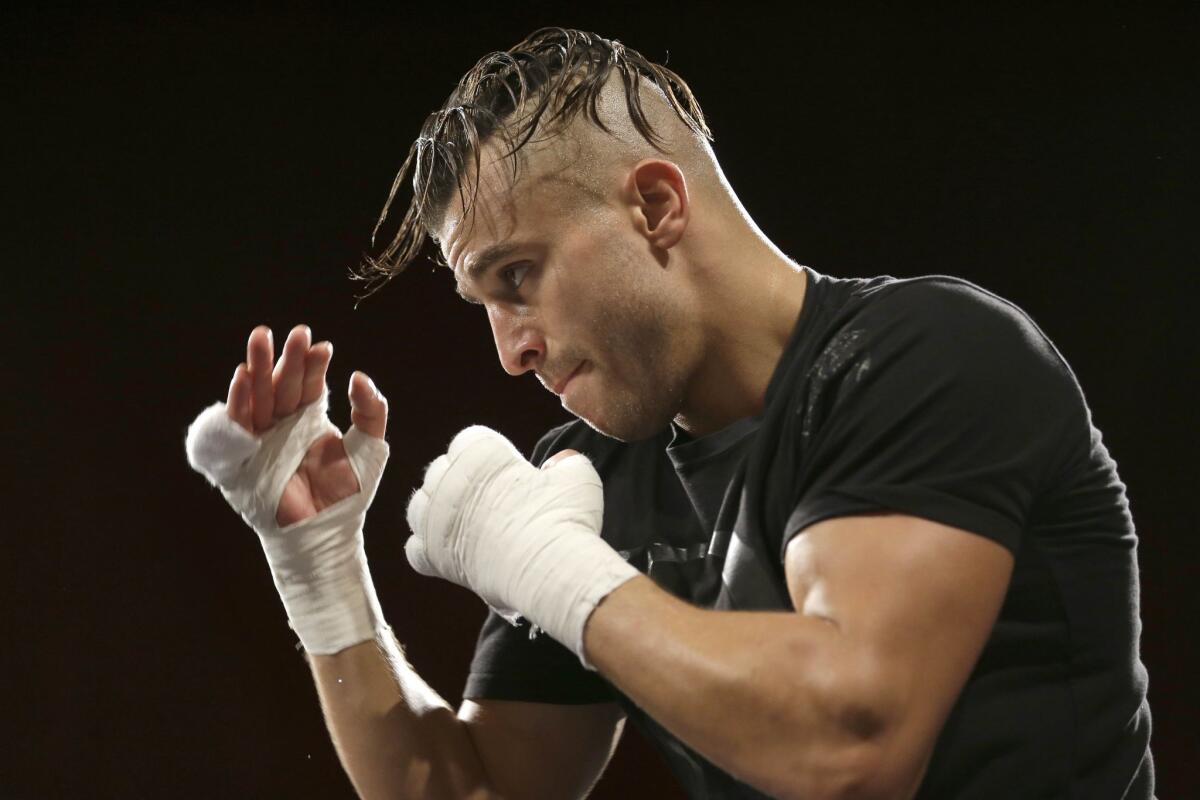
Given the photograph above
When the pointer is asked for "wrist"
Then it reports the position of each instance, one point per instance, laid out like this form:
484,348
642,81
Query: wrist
334,612
562,587
320,571
318,564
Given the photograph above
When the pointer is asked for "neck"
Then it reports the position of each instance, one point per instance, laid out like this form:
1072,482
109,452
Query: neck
751,297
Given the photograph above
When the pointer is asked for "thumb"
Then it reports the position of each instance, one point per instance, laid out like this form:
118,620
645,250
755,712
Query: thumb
557,457
368,406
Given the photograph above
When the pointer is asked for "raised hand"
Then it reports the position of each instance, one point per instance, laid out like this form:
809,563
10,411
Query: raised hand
262,392
299,483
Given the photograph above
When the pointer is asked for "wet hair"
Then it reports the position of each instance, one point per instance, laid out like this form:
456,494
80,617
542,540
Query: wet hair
537,87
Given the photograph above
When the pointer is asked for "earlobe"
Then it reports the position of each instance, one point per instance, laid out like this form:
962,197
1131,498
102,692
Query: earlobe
660,194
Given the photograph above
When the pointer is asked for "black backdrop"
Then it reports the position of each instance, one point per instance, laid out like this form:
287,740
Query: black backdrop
174,177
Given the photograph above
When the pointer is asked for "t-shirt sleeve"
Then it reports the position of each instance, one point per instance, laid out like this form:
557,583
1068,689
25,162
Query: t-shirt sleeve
937,400
510,665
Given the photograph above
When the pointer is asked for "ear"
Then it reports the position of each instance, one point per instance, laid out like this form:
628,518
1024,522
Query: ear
659,197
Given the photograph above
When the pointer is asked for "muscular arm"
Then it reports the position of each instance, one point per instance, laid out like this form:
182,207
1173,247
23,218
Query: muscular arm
843,697
396,737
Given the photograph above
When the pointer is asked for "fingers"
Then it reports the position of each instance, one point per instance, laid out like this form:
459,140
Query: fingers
297,380
316,364
260,352
368,407
237,406
573,468
288,377
559,456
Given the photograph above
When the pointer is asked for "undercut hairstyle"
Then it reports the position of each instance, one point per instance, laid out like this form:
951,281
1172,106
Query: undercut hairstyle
536,88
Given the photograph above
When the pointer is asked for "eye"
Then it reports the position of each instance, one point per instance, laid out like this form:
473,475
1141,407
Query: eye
515,274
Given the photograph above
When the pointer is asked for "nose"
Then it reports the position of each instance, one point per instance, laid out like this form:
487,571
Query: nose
519,344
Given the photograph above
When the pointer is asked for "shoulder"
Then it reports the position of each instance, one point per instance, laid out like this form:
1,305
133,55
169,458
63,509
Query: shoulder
932,398
947,306
912,354
936,321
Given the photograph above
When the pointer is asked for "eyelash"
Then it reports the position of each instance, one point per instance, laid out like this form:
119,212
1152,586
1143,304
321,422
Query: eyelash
506,274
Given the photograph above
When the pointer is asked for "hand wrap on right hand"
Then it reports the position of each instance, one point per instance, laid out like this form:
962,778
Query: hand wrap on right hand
526,540
318,564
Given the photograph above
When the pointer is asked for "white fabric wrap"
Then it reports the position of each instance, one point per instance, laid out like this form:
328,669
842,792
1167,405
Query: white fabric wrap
319,564
525,540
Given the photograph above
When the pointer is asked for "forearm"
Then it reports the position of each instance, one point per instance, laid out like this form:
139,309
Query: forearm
763,695
396,737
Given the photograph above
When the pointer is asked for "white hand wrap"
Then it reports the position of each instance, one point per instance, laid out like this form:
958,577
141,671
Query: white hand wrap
525,540
318,564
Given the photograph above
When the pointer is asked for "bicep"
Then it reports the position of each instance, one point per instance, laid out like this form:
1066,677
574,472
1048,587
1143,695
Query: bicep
914,601
542,750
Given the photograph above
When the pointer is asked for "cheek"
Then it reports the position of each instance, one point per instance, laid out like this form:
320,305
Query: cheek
639,345
612,306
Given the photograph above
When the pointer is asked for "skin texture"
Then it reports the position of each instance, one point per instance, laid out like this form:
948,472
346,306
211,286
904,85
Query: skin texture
261,393
395,736
843,697
655,277
572,308
677,307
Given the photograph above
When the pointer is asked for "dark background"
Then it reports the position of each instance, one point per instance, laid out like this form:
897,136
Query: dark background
174,177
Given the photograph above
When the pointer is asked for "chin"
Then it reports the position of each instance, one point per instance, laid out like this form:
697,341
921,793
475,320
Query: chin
631,428
628,412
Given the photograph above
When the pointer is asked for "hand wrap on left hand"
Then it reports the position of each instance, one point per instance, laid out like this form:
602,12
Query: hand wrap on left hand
318,564
525,540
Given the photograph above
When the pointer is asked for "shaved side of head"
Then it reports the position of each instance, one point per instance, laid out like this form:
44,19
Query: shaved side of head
585,162
589,103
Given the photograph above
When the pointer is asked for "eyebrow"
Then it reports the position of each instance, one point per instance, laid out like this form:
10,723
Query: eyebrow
482,263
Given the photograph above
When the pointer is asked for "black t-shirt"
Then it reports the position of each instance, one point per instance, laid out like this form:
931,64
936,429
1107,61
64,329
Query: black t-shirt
929,397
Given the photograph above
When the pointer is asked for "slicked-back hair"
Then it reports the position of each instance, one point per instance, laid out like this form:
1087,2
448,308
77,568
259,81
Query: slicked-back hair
537,87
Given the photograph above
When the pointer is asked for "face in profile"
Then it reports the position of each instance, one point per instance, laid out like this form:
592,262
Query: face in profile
574,294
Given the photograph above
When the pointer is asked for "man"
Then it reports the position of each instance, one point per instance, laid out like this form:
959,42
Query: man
857,538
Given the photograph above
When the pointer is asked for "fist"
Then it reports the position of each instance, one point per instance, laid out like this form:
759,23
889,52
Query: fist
487,519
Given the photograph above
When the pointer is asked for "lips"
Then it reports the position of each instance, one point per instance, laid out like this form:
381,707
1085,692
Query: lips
562,385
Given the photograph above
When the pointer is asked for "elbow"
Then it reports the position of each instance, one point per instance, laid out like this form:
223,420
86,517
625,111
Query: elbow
848,776
844,774
846,733
872,763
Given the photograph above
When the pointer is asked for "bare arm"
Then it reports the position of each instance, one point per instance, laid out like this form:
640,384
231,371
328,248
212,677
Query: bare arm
395,736
843,697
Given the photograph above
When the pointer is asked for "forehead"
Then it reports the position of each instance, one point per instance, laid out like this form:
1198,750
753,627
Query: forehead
507,208
488,216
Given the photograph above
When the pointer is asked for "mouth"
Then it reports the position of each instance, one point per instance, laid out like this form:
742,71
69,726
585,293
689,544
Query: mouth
561,386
